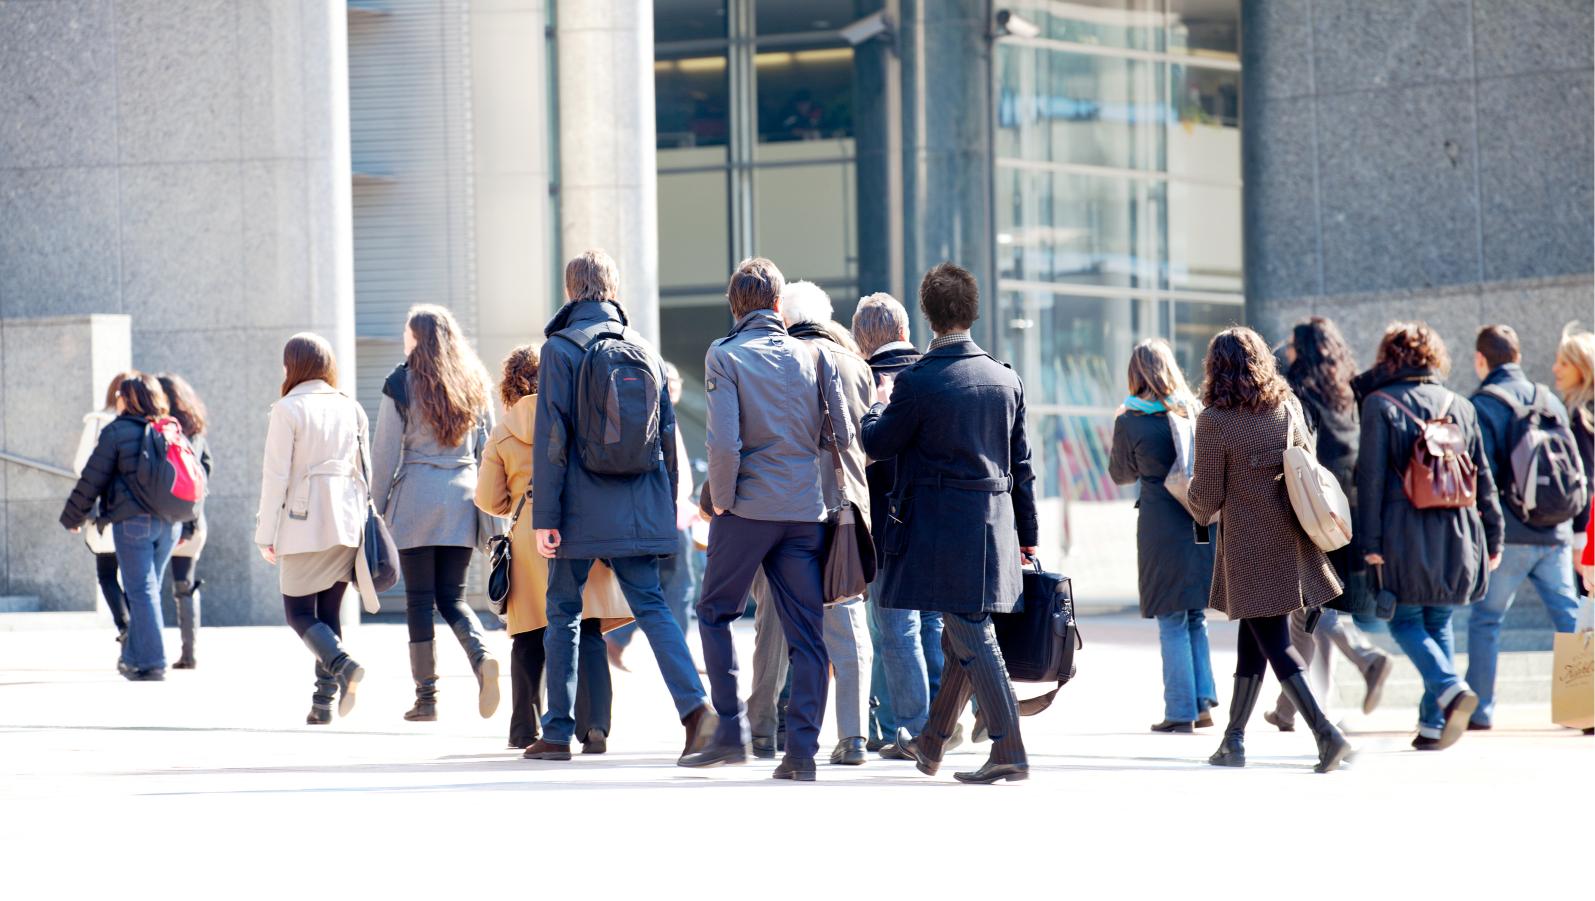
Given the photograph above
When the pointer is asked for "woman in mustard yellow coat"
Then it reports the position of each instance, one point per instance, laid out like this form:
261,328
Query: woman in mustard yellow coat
504,480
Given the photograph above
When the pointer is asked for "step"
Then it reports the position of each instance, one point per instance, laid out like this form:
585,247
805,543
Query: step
19,603
54,619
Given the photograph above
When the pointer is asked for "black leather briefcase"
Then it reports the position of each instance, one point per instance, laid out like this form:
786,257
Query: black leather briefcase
1039,638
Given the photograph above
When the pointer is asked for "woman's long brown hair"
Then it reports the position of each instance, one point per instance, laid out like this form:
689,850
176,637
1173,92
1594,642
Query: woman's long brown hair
186,407
447,382
1241,372
307,356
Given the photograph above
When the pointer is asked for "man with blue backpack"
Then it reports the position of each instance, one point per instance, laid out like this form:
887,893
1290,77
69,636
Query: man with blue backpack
1538,470
604,488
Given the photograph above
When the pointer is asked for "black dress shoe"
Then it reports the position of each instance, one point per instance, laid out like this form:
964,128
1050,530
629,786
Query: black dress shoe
1424,743
875,744
849,752
764,748
895,751
1174,726
597,742
715,755
798,769
547,750
1479,727
156,674
908,746
1457,714
995,772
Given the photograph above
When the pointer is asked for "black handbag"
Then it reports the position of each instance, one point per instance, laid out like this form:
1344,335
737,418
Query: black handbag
376,543
498,561
1039,638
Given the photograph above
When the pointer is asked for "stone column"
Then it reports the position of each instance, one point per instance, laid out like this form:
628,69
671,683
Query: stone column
947,146
608,194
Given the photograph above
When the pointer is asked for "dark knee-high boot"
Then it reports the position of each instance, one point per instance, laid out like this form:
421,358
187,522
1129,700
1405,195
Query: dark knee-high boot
185,596
424,670
321,701
1232,750
482,663
1333,749
323,642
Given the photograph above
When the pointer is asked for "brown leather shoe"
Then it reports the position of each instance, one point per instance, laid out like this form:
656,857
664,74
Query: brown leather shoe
547,750
700,725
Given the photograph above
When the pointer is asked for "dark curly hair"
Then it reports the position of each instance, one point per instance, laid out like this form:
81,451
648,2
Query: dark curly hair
1240,372
187,408
1323,365
520,375
949,298
1412,346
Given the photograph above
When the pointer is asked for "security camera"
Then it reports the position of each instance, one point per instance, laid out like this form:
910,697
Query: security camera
1011,23
866,29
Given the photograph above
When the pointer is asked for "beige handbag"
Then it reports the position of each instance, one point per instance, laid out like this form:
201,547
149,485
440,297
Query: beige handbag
1321,506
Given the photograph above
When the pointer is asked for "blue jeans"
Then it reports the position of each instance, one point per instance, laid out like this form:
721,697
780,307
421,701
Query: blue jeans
930,629
676,580
1187,665
1549,567
144,547
639,582
905,701
1424,633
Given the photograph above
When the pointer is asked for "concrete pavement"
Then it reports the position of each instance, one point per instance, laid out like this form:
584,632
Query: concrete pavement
210,786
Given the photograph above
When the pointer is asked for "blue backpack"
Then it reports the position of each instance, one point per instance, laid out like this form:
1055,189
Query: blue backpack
617,401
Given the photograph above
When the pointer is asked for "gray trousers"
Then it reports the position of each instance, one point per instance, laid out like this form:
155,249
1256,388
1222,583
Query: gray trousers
1333,629
975,669
847,643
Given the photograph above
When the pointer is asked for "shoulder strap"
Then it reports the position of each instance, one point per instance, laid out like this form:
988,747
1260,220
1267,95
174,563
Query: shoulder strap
827,423
583,336
1501,394
1403,407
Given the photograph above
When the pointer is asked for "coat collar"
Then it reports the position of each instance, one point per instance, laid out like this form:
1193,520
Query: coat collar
579,311
313,386
956,349
892,351
1509,372
759,321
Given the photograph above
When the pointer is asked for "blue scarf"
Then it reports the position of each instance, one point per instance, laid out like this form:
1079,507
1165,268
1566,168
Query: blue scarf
1141,405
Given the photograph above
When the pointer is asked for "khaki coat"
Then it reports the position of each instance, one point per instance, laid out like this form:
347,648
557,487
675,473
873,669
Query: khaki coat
506,473
1265,564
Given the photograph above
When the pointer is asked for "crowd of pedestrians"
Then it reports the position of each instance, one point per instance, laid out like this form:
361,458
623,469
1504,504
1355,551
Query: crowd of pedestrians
588,475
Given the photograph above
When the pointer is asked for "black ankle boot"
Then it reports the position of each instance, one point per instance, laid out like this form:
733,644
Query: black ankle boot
1232,750
424,670
1333,749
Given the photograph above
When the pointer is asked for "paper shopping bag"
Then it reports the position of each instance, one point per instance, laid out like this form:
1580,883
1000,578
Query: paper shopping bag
1573,680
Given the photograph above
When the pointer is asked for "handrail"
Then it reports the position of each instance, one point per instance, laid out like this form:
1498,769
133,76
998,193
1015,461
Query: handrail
50,468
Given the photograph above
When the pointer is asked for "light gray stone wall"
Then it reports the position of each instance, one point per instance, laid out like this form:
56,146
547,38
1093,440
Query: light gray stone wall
185,163
608,184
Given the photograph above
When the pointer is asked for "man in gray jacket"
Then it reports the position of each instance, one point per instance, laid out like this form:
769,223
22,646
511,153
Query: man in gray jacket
767,497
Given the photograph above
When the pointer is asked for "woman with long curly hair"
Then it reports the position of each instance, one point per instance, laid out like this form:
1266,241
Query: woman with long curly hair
189,411
431,430
1266,568
1433,559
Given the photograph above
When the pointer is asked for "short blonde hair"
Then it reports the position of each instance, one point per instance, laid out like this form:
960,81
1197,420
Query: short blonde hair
592,276
878,321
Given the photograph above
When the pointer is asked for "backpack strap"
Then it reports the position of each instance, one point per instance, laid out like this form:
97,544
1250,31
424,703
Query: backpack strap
1404,408
1519,410
583,336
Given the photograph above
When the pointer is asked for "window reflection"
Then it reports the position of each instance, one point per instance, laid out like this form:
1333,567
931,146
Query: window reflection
1197,27
691,99
775,17
689,20
805,94
1073,351
1086,229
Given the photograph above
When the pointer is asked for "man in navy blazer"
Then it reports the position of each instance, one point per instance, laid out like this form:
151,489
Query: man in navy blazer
961,520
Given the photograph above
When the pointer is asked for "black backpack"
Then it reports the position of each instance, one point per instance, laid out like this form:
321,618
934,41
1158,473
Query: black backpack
1544,483
168,480
617,400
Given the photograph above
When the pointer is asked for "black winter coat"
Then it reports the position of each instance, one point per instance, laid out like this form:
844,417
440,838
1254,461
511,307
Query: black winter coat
107,476
880,474
1495,422
1435,557
598,516
1175,572
962,505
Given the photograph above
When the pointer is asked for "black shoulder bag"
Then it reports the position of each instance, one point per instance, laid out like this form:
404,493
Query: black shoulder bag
499,562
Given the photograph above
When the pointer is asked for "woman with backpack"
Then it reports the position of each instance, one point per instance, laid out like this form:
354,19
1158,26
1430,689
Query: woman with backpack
502,490
144,541
98,536
1266,568
1175,570
313,506
1431,541
431,430
189,411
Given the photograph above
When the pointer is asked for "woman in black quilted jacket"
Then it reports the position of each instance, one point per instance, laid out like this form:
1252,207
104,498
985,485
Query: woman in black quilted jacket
144,542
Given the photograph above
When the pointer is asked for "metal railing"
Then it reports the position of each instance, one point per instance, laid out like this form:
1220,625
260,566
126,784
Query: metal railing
50,468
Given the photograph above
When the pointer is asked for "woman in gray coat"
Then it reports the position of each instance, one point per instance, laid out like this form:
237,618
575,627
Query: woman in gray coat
1174,569
1266,567
431,430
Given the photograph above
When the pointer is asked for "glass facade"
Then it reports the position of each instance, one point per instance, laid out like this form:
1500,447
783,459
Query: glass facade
1118,209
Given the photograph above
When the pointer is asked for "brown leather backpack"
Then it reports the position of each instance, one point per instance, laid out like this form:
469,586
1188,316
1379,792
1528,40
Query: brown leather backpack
1440,474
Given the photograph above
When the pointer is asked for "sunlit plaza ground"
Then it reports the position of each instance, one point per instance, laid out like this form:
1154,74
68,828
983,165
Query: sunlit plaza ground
210,786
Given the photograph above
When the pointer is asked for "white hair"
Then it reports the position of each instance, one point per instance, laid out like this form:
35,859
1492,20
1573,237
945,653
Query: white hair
804,301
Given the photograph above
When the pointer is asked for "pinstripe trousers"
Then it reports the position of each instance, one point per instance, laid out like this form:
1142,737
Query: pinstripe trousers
974,666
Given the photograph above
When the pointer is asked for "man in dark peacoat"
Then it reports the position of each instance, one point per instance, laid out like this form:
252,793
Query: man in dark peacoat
962,519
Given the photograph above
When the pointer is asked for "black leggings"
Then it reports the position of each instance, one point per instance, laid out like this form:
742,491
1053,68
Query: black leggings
321,607
594,691
105,572
1264,641
434,577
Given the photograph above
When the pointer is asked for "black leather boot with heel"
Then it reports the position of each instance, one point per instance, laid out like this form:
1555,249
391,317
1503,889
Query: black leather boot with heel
424,670
1232,749
482,663
323,642
1333,749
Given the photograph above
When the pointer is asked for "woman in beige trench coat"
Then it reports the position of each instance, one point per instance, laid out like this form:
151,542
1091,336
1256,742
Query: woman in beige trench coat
505,479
